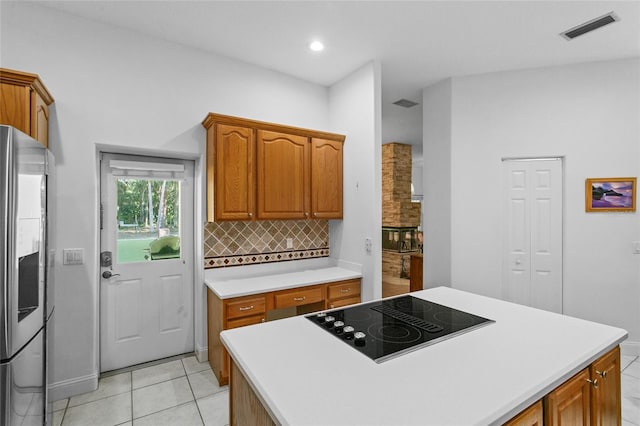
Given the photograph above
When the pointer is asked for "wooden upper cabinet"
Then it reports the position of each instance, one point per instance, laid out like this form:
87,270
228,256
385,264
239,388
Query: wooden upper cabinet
259,170
24,103
233,181
283,176
326,179
605,394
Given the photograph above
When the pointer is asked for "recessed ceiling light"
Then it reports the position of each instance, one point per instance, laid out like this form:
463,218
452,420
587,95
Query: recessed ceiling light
316,46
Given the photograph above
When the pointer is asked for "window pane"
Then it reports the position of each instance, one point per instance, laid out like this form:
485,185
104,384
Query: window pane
148,214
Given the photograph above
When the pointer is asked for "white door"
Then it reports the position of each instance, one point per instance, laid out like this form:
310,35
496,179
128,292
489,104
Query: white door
532,262
146,295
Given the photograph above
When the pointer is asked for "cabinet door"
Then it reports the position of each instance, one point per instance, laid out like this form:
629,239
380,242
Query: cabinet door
569,404
283,176
326,179
40,119
606,404
233,162
532,416
15,106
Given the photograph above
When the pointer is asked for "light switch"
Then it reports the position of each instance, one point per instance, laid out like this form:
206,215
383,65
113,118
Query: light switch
289,243
73,256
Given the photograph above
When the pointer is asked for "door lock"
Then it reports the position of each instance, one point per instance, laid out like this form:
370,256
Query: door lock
106,259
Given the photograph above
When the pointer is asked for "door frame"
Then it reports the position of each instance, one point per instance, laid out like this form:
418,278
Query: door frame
199,293
563,160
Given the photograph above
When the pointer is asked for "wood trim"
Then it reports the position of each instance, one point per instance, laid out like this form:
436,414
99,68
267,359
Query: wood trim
26,79
532,416
213,118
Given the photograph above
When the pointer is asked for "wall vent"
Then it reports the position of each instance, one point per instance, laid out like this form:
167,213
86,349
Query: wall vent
589,26
406,103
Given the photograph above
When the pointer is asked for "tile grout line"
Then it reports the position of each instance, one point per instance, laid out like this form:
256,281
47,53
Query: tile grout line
195,401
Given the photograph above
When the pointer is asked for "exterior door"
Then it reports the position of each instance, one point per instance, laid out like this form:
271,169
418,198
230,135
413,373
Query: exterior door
532,264
147,263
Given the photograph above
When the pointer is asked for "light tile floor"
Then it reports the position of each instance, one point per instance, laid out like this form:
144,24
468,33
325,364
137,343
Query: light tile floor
178,391
185,392
630,366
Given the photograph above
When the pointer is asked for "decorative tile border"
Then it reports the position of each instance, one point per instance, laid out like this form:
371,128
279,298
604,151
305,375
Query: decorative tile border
251,259
235,243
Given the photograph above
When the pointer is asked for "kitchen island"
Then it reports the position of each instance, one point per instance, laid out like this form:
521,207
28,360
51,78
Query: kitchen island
293,372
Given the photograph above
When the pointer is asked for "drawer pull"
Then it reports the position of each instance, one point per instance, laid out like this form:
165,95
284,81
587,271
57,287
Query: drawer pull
603,374
245,308
299,299
345,290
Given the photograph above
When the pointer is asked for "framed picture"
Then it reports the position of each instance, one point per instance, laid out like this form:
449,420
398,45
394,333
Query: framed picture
610,194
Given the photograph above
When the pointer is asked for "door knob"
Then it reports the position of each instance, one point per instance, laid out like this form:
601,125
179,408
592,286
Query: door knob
109,274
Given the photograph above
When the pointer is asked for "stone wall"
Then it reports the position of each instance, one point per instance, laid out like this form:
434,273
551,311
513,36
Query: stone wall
397,208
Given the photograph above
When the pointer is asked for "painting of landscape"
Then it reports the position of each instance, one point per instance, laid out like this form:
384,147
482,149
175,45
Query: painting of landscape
610,194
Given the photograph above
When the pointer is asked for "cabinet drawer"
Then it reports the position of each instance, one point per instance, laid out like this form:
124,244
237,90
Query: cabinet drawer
241,322
298,297
346,289
246,307
343,302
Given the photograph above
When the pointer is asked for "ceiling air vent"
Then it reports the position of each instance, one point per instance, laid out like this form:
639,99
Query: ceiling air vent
589,26
406,103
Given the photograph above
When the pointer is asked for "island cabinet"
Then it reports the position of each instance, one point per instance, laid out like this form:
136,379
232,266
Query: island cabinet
24,103
225,314
591,397
266,171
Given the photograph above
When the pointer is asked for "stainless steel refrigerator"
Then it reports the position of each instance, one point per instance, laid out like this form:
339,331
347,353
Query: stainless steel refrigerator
26,298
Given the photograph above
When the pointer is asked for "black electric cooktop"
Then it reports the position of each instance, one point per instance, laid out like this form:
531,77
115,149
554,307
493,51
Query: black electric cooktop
387,328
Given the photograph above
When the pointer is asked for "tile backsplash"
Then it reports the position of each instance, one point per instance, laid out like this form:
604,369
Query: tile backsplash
243,243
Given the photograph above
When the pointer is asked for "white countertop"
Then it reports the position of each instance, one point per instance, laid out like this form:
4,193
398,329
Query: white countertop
305,376
253,279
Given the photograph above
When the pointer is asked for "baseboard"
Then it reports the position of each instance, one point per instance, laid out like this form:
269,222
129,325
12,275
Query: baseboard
630,348
73,387
202,353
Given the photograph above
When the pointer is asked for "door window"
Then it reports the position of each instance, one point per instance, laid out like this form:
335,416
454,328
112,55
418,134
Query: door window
148,215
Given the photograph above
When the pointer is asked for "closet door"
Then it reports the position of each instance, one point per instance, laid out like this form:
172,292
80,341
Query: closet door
532,259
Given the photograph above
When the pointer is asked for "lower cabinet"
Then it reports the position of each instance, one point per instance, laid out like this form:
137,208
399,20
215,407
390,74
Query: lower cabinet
590,398
532,416
254,309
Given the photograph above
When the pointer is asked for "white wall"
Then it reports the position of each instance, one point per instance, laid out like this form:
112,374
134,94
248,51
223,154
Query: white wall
355,109
436,205
116,87
588,113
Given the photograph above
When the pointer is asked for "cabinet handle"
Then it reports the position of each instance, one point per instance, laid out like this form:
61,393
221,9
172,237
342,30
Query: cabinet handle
345,290
299,299
315,214
602,374
262,320
306,214
245,308
250,214
593,382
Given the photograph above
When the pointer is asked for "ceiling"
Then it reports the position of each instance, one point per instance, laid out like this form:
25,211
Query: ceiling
417,43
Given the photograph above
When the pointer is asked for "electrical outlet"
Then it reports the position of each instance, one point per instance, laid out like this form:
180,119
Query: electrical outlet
289,243
368,244
636,247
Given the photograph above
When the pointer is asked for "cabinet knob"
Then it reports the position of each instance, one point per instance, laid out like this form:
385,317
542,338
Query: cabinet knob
250,214
315,214
593,382
306,214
